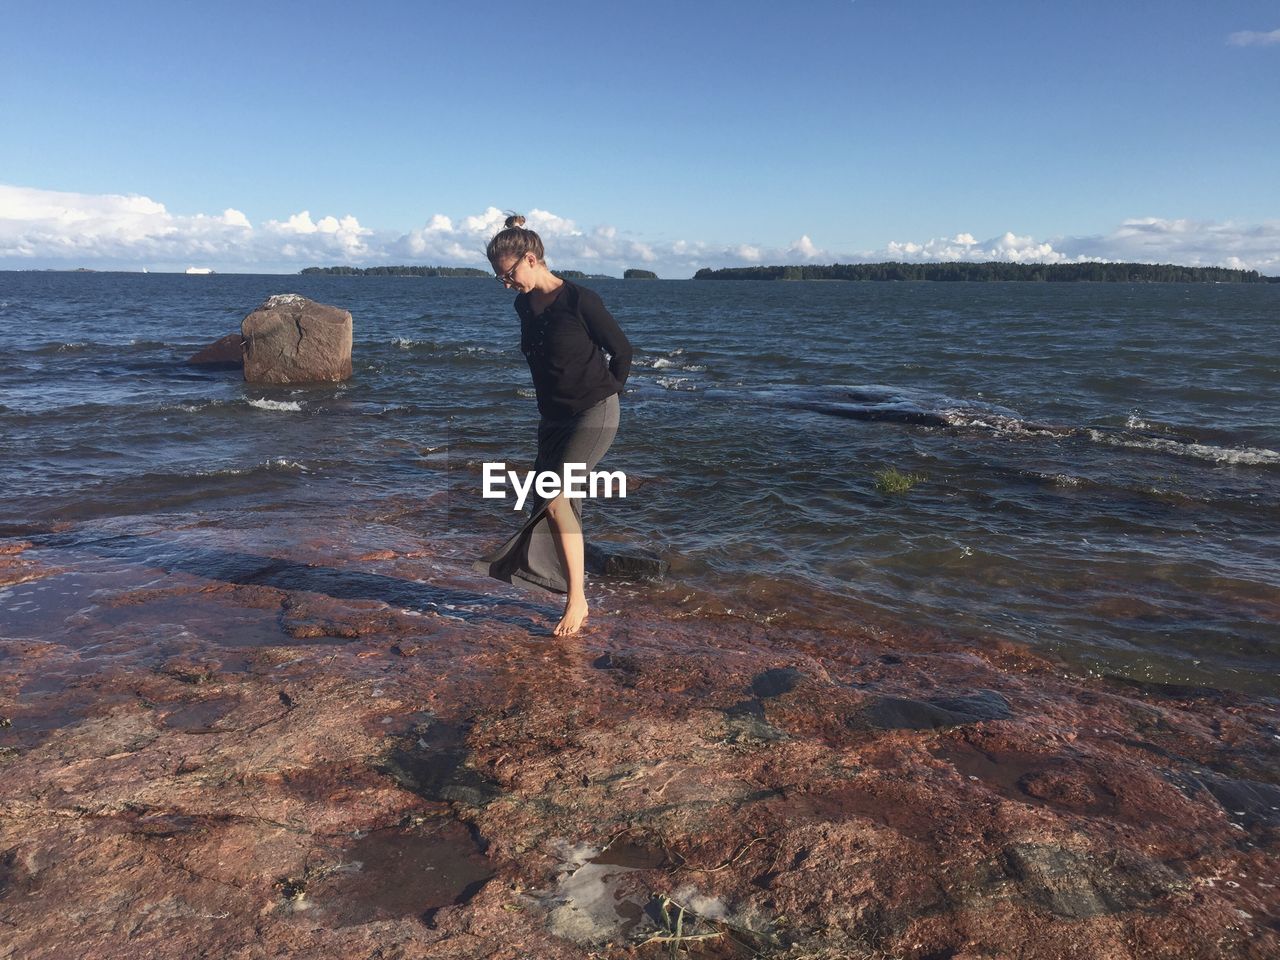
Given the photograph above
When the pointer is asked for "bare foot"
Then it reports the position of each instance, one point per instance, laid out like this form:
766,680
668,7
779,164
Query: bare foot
574,617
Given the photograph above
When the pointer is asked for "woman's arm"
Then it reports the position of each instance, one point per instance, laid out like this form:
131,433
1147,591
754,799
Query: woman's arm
604,330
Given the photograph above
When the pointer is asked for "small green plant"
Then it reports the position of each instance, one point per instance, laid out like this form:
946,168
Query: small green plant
892,480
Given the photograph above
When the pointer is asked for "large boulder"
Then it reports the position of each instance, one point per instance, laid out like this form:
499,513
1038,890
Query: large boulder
224,354
290,339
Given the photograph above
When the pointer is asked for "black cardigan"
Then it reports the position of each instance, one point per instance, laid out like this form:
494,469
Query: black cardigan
565,346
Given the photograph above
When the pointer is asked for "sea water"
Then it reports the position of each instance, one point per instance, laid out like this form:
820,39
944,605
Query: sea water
1092,469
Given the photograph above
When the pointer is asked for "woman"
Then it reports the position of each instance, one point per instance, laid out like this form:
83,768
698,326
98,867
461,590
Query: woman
565,333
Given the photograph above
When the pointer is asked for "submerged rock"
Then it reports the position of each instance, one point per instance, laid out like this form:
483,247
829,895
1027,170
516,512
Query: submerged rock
290,339
224,354
625,565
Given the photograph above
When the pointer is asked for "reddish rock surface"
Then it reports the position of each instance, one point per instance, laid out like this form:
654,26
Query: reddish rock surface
290,339
213,746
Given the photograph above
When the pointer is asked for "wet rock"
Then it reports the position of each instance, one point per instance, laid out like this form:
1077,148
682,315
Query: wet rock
224,354
626,671
1064,787
433,762
320,799
290,339
310,620
609,561
745,724
616,661
400,872
1076,885
775,682
15,568
1056,879
904,713
199,716
193,670
1253,803
405,648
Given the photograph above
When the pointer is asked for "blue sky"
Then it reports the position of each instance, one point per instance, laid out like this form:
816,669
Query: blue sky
674,134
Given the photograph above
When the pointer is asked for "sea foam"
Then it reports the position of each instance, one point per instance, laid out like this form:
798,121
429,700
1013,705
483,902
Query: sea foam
290,405
1252,456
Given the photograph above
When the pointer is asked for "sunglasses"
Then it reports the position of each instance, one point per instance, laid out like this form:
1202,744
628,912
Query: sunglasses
510,275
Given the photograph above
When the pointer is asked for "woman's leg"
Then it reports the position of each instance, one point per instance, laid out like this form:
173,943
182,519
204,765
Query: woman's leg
591,439
567,532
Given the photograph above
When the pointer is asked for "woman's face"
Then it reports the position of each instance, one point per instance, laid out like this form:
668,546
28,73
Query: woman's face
513,272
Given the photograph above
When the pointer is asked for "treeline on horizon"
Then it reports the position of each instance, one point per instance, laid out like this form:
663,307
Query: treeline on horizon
960,271
397,271
430,272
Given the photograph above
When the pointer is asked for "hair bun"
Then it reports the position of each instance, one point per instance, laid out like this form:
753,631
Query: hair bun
515,220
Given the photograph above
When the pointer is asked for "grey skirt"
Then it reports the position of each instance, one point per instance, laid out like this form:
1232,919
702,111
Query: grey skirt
529,558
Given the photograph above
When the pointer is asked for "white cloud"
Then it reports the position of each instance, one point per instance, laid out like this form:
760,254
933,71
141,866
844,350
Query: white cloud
488,223
602,249
49,228
130,230
1008,247
1196,243
298,223
1254,38
804,249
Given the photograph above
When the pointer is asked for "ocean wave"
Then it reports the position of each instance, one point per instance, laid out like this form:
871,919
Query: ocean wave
86,346
998,423
291,406
155,490
676,383
274,465
450,349
664,363
1065,480
876,402
1251,456
194,407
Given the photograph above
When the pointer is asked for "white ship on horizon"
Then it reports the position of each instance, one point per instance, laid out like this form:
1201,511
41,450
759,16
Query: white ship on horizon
199,270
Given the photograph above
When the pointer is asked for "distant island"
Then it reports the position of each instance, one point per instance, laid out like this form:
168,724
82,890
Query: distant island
579,275
634,274
956,271
396,271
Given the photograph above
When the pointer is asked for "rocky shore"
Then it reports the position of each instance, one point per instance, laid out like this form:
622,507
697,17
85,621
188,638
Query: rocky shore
327,741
